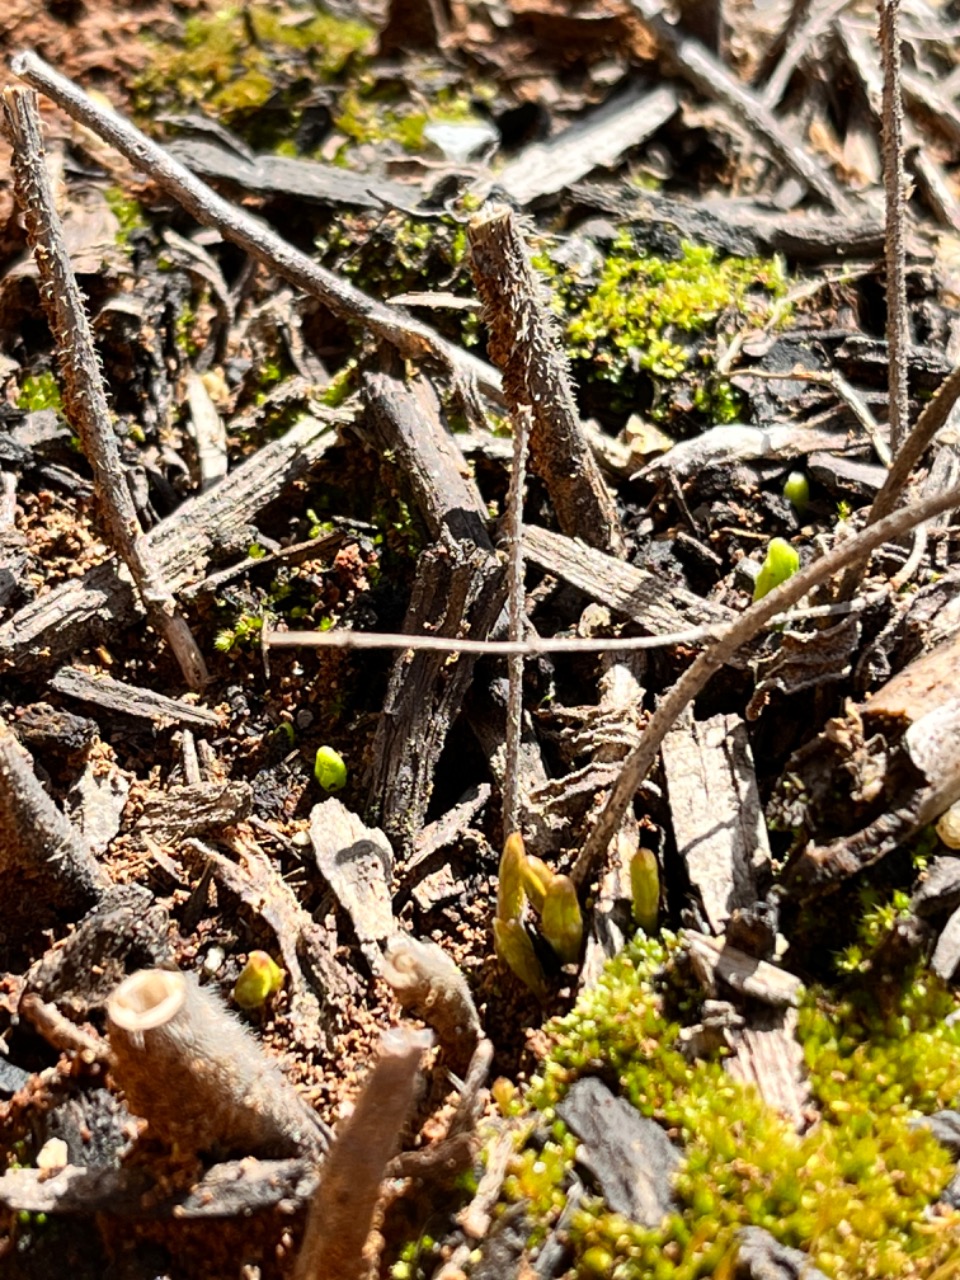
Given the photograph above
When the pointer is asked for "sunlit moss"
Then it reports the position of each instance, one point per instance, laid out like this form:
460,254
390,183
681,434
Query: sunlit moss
128,212
635,314
39,391
854,1192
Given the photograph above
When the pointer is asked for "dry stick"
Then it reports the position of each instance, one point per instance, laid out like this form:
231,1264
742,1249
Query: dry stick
515,600
640,760
894,183
84,395
412,339
342,1209
814,25
524,345
934,417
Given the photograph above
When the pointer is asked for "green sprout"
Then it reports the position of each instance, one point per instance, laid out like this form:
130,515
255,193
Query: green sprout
329,769
561,920
553,897
645,890
781,563
39,391
796,490
259,979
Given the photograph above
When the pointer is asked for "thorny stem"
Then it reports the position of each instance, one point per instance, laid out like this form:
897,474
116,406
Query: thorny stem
739,632
515,600
412,339
84,396
894,182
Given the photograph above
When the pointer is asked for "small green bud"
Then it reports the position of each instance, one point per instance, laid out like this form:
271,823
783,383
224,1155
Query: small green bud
515,950
796,490
597,1262
510,883
536,877
329,769
645,890
782,562
259,979
561,921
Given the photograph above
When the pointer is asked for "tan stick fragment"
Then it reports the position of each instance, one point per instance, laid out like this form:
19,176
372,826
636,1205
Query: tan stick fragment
85,399
525,347
197,1076
515,606
342,1209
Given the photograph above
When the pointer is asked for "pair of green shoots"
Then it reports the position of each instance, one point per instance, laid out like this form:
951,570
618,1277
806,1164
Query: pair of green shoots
524,878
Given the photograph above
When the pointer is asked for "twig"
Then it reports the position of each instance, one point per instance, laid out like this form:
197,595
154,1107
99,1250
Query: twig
84,396
515,604
894,183
198,1077
412,339
341,1212
524,345
536,645
813,25
59,1031
638,763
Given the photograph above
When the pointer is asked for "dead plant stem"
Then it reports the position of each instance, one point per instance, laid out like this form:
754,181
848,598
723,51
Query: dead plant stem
894,182
515,605
84,395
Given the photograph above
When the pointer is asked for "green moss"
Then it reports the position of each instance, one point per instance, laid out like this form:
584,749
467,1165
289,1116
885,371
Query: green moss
231,62
642,315
40,391
853,1192
128,212
367,114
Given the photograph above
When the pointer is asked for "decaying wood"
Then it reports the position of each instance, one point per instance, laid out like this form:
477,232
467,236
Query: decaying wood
458,590
195,809
598,141
715,961
411,338
767,1054
85,400
655,605
708,75
225,1191
718,821
89,609
341,1211
523,343
117,698
356,861
45,864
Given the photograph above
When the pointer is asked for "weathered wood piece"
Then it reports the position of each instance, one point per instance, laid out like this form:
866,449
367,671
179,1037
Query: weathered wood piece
761,1256
357,863
658,607
716,813
713,961
939,891
195,809
225,1191
768,1055
83,611
945,960
524,344
598,141
710,77
630,1156
458,591
45,864
117,698
403,419
286,177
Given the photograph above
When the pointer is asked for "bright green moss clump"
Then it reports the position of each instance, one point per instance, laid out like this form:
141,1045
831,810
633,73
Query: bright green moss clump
39,391
853,1192
645,315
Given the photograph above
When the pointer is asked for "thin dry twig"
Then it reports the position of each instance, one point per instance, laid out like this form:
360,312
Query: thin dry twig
739,632
515,602
894,182
412,339
84,395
